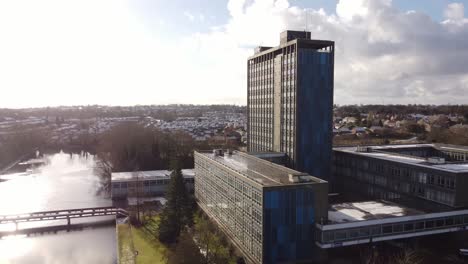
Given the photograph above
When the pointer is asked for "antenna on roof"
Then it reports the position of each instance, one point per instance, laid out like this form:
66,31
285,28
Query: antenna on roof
306,17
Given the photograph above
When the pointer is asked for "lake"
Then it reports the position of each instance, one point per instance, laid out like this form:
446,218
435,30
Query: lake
61,181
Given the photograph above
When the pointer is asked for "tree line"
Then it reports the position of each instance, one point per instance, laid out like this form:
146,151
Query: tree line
132,147
19,144
351,110
164,112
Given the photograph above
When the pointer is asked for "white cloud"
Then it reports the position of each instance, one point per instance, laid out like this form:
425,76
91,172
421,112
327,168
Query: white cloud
64,52
383,54
455,17
194,17
347,9
189,15
455,11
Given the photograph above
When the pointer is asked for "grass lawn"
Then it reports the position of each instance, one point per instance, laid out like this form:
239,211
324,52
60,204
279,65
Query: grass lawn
150,250
143,240
125,244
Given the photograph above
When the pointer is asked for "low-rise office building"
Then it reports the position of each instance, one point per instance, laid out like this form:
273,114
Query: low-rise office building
431,177
268,211
145,183
366,222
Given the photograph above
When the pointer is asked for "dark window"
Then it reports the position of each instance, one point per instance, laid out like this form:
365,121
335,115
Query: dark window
449,221
363,232
465,219
376,230
397,228
340,235
387,229
419,225
429,224
354,233
328,236
409,227
431,179
440,223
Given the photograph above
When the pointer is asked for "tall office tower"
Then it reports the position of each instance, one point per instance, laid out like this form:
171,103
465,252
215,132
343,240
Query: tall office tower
290,101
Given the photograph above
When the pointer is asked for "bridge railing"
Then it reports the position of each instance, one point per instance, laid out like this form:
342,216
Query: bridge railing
62,214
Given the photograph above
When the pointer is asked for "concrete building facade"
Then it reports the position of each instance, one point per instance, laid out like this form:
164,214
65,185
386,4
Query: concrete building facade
290,101
146,183
431,177
268,211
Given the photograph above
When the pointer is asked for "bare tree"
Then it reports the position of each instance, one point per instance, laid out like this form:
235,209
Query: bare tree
210,241
408,256
103,170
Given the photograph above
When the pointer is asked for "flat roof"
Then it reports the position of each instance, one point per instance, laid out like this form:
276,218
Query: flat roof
268,154
310,43
261,171
413,160
149,175
368,210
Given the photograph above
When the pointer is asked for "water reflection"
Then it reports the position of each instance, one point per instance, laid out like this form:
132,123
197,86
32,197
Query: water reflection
63,181
83,247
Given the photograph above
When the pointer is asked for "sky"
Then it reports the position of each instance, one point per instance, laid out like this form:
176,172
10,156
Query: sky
117,52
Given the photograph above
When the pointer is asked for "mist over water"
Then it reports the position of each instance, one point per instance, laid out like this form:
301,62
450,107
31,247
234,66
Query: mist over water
65,181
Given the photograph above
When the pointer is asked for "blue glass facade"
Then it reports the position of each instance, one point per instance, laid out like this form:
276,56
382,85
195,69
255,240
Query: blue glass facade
288,224
315,112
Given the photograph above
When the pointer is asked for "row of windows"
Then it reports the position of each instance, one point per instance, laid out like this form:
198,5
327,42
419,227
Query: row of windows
458,156
266,82
415,188
259,84
390,229
233,201
260,135
263,105
261,96
261,66
265,115
124,185
260,145
397,172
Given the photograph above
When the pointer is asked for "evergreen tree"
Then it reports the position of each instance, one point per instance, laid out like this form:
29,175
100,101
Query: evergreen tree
185,252
168,226
177,212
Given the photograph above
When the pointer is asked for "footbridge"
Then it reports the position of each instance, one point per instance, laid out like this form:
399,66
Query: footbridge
65,214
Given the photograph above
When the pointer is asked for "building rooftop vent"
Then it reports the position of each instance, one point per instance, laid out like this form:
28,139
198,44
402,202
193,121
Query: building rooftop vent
261,49
436,160
289,35
363,149
299,177
218,152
